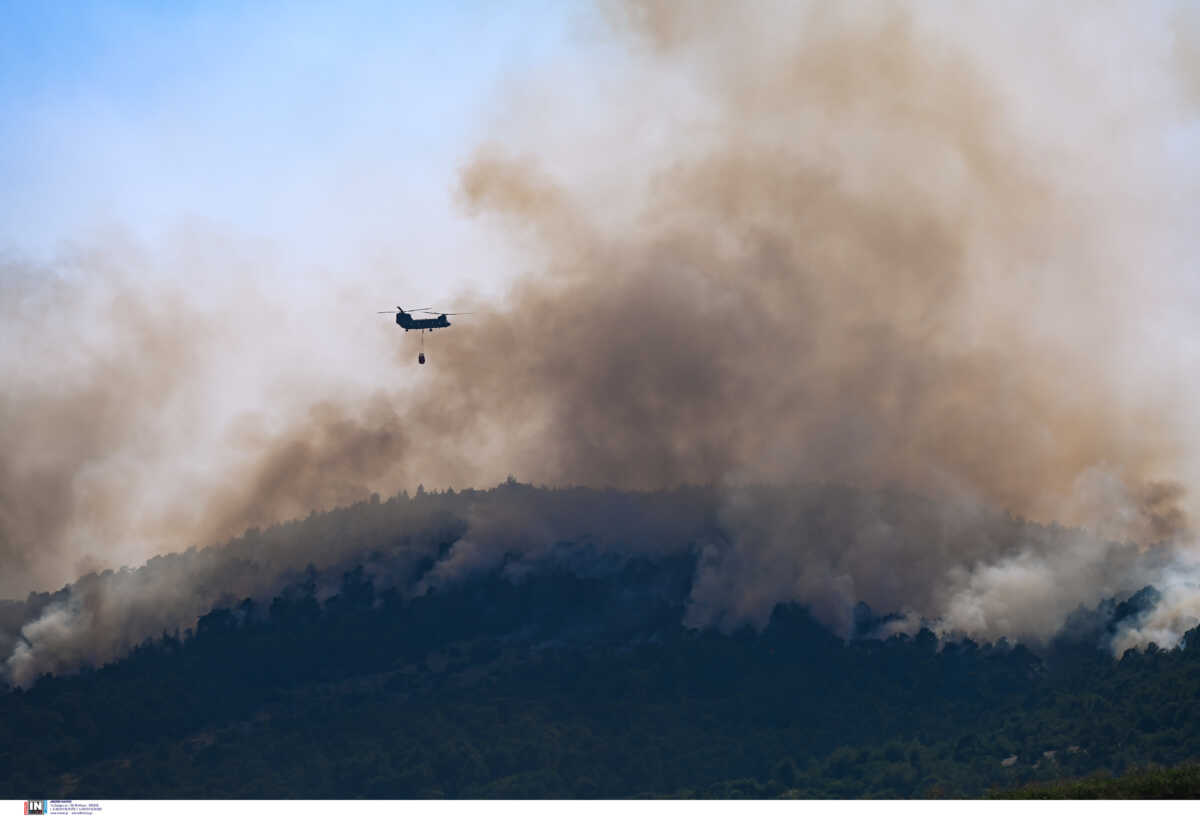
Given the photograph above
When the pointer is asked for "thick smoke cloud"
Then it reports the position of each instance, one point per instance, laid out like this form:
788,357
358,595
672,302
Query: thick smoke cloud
864,266
923,256
81,413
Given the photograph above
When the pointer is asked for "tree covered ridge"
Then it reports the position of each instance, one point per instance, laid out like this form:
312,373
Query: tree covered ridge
744,551
561,683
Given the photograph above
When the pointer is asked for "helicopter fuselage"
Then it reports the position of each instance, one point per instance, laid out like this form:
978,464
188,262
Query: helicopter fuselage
409,323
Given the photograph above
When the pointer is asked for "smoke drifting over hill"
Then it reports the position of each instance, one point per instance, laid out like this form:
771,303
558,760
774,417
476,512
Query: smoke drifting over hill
939,256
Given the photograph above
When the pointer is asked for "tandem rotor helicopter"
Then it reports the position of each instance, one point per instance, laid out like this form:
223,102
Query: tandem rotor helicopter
405,319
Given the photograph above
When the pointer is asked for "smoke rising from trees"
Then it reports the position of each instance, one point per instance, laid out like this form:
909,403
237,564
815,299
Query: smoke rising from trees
934,255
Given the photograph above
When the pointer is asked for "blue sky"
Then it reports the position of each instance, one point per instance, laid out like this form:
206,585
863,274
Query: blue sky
268,175
262,118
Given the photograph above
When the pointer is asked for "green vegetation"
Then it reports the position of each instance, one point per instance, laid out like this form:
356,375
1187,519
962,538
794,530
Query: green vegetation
1182,782
379,697
569,682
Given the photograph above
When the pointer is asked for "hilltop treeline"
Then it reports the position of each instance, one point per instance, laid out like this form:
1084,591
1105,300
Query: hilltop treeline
566,681
958,566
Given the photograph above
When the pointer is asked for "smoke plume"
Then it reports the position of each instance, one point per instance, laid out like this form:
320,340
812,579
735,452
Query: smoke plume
931,254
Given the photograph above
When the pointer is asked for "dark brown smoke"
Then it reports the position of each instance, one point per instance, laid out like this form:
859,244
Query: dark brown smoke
846,282
848,251
857,264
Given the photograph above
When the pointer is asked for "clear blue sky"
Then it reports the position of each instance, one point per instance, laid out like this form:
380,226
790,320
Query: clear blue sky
264,117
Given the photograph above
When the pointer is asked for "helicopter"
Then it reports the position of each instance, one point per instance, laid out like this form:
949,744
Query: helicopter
405,319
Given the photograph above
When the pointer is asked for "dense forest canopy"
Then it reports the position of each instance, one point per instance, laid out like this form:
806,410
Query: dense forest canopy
397,663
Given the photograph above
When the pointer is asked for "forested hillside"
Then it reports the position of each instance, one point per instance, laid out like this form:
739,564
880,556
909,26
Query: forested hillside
578,677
